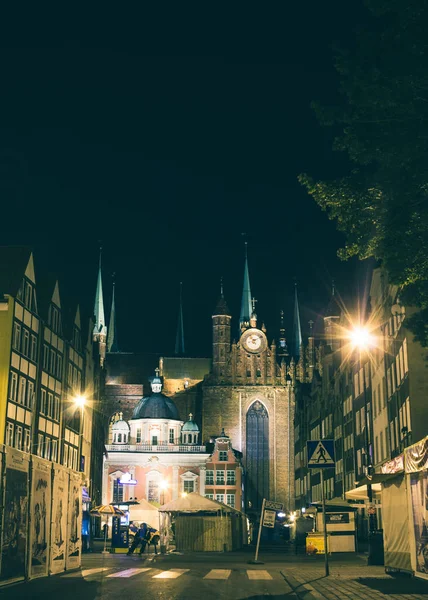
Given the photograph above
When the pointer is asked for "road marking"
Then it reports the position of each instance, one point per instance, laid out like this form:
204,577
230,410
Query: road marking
258,574
87,572
129,572
171,574
218,574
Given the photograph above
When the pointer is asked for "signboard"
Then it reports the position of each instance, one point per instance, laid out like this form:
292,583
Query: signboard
336,518
320,454
119,534
315,544
274,505
269,518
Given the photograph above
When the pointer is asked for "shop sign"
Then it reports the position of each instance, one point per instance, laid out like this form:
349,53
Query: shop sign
336,518
269,518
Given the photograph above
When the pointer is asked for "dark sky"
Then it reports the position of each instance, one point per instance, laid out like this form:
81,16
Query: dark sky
167,137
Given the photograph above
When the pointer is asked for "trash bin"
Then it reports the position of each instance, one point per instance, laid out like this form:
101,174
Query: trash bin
376,556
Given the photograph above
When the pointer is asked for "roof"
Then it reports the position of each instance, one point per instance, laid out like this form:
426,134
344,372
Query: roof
120,426
156,406
190,425
13,262
193,503
175,367
221,307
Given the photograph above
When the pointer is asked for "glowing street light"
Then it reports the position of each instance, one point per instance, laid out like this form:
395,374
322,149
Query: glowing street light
184,494
79,401
361,338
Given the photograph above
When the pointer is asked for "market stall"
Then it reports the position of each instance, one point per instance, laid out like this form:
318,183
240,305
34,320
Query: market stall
196,523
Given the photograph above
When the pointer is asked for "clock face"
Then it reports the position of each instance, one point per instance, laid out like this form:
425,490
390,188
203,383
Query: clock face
253,340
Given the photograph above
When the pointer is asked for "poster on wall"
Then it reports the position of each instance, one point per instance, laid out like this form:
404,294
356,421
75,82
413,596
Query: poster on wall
59,520
74,539
14,542
41,489
419,492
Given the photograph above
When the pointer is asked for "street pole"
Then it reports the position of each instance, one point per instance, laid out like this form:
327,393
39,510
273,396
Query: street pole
372,517
327,570
259,533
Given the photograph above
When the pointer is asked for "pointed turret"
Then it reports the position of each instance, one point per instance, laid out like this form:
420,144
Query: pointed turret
282,350
221,336
100,328
179,338
246,304
297,332
331,320
112,345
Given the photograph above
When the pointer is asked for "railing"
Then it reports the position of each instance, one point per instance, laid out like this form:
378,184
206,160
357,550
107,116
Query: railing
150,448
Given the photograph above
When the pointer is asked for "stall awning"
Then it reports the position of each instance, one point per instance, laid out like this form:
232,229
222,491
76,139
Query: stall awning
376,480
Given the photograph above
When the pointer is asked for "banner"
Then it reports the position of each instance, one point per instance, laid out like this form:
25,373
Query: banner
419,490
416,456
15,520
41,492
59,519
74,539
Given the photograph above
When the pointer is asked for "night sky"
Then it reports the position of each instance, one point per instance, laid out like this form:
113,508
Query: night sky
167,137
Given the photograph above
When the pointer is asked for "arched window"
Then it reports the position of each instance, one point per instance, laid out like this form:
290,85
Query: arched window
257,455
119,438
114,438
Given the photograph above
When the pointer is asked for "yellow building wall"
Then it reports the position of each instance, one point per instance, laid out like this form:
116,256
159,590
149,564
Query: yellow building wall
6,328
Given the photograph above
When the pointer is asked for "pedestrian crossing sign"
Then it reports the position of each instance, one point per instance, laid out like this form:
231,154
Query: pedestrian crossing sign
320,454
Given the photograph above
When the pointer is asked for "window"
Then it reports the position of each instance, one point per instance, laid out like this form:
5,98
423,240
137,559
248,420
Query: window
230,500
54,450
222,455
50,404
119,438
45,357
154,440
33,348
70,374
219,478
18,437
188,486
22,390
357,422
76,338
48,448
209,496
59,366
57,402
16,340
117,491
27,445
52,361
138,437
30,393
26,342
43,406
9,434
219,497
209,478
230,477
171,436
53,319
28,295
13,386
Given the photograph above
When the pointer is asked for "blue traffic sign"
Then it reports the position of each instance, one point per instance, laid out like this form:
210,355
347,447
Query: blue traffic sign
320,454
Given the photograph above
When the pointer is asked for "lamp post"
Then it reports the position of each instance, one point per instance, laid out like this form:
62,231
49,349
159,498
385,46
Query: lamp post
362,340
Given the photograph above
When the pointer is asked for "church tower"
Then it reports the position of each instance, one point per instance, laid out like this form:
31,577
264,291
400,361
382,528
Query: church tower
112,345
99,333
251,395
221,337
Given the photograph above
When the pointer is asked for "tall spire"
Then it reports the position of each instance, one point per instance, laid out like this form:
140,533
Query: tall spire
297,331
100,323
179,339
246,304
112,345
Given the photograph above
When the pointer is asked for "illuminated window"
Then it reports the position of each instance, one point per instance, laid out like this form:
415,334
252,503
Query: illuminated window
188,486
30,394
230,477
230,500
138,438
33,348
171,436
209,478
22,390
9,434
154,440
13,386
222,455
27,443
219,477
18,437
219,497
16,343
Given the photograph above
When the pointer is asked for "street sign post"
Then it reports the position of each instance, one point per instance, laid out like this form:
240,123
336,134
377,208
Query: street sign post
267,519
321,456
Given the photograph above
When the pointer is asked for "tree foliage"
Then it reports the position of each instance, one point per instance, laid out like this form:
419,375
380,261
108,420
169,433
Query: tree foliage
381,205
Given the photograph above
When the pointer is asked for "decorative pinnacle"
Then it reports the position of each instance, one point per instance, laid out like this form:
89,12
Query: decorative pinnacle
221,287
253,302
311,323
190,417
157,371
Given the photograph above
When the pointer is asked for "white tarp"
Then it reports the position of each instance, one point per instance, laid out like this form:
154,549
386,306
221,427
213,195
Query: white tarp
193,502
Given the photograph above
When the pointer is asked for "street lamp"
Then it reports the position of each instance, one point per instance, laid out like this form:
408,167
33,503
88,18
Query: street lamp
163,487
362,340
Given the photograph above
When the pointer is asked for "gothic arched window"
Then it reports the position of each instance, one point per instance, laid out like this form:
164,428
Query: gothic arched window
257,455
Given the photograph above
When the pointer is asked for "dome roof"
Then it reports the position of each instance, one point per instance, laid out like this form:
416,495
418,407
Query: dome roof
156,406
121,426
190,425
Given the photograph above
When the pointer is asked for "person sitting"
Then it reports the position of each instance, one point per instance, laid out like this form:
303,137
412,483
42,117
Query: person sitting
152,537
139,537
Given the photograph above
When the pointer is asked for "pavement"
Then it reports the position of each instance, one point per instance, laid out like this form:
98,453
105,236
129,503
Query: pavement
222,576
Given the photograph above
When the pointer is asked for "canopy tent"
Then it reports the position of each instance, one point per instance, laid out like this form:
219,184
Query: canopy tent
202,524
361,491
193,502
144,512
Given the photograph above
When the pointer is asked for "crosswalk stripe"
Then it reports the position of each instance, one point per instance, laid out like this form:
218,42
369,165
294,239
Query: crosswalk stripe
258,574
87,572
218,574
129,572
171,574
